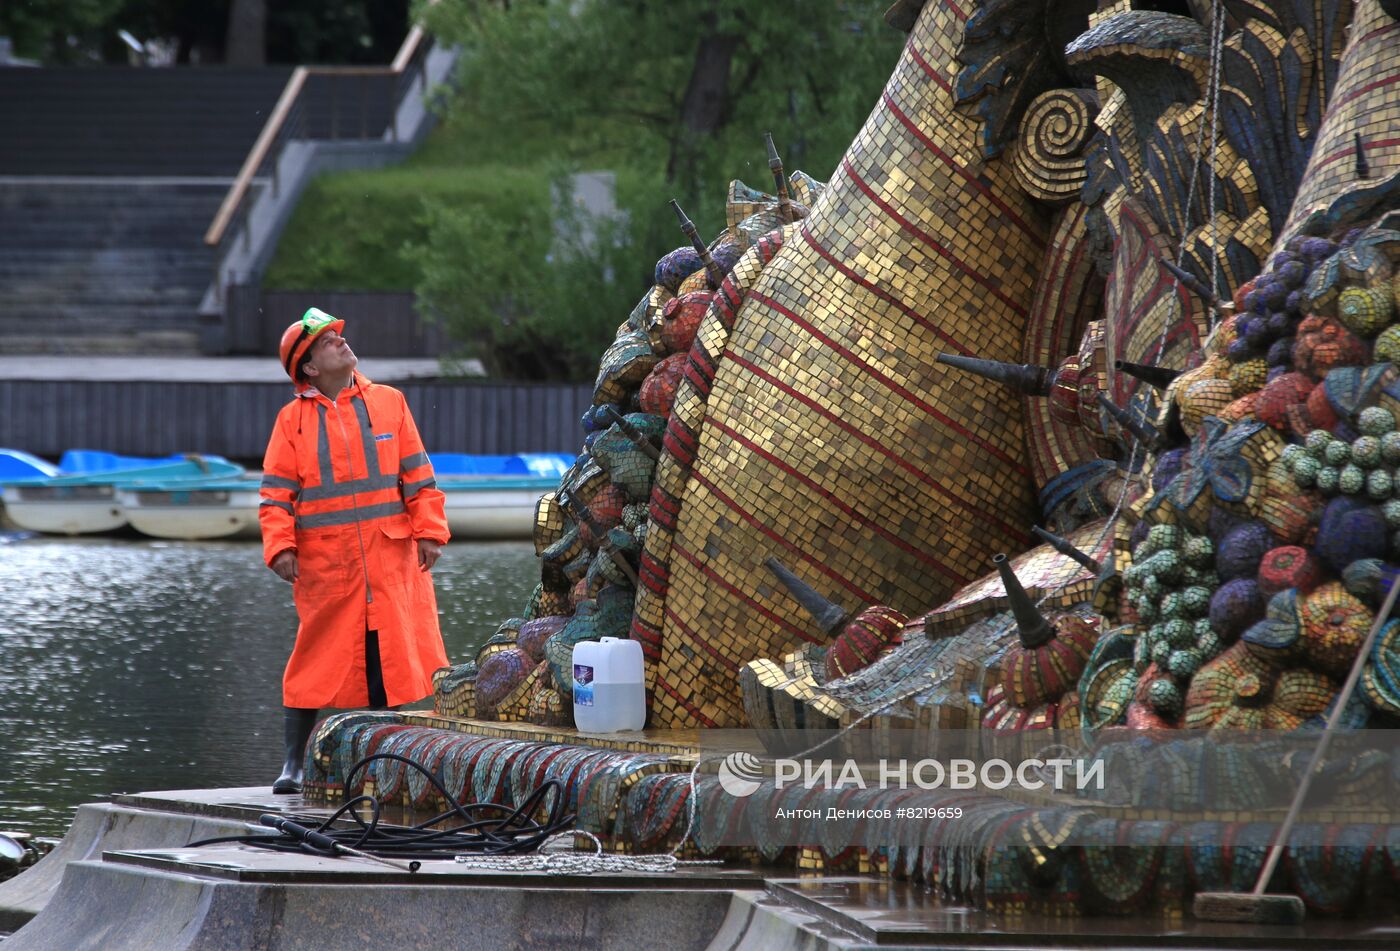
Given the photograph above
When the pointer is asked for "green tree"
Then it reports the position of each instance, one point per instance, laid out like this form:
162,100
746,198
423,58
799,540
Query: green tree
523,291
63,32
59,31
675,98
695,83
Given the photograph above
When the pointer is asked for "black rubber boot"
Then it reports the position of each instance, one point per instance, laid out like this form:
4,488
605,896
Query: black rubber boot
297,724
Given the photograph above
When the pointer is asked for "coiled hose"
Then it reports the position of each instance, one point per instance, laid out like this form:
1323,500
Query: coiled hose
486,828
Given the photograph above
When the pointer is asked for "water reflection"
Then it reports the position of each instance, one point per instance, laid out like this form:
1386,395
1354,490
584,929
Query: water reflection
128,665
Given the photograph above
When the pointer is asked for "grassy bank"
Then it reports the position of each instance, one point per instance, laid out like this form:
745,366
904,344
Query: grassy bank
354,230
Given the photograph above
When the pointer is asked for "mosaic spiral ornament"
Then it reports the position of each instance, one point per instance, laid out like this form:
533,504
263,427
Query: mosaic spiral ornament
1049,161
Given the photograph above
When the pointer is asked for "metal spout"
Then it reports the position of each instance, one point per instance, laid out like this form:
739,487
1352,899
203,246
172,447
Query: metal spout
1028,378
775,165
1063,546
1192,284
1160,377
639,439
1143,432
688,226
830,617
1035,630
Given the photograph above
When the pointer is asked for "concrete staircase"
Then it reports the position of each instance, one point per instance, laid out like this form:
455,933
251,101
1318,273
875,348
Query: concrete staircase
108,179
104,265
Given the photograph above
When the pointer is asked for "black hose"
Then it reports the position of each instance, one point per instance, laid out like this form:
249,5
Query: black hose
487,828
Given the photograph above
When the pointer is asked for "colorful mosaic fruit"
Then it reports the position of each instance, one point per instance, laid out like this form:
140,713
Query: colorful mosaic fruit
1171,586
1271,314
1240,691
1365,466
1322,630
658,393
682,318
534,633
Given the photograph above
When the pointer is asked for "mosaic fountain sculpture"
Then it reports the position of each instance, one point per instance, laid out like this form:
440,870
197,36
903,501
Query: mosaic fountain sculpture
1134,276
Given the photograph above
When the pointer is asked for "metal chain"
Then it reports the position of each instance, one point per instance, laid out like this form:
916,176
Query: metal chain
1217,49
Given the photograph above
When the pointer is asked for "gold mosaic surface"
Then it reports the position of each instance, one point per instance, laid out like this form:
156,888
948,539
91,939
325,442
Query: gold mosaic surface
831,438
1365,101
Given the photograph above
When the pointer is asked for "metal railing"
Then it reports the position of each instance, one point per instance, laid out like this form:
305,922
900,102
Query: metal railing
346,92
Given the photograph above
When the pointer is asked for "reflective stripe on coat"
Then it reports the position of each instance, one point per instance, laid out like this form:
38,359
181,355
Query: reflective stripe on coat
349,487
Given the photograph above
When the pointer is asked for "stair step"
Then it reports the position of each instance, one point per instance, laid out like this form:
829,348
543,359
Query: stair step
65,320
169,343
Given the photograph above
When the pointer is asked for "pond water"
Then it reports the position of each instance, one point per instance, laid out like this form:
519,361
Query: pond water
130,665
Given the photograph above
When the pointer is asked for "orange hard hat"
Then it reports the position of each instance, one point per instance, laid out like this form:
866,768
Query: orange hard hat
297,339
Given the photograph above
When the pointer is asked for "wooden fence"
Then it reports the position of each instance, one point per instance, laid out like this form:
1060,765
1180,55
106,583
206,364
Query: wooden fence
46,417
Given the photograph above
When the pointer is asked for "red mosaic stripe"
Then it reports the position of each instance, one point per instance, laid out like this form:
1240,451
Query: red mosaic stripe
892,385
920,474
1350,150
928,239
768,532
885,295
699,377
690,708
1395,25
700,642
664,509
834,499
679,444
655,575
929,70
1035,234
744,598
728,304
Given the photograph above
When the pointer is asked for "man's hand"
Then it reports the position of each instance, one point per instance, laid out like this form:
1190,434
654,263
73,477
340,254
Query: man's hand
285,565
429,552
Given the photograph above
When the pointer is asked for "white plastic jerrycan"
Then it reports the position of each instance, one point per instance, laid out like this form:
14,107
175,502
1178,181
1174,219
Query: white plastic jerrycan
609,694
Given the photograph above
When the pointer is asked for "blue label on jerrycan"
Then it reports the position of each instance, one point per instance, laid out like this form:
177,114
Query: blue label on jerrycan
583,685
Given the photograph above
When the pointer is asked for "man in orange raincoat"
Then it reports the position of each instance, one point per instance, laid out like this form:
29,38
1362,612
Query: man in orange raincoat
351,515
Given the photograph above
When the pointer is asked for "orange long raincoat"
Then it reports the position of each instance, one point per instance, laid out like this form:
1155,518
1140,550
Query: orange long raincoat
348,486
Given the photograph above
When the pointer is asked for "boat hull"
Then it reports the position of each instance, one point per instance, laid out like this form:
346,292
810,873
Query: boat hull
192,515
484,512
64,510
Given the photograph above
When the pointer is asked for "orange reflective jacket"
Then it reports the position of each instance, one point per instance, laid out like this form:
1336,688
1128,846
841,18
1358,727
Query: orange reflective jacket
348,487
